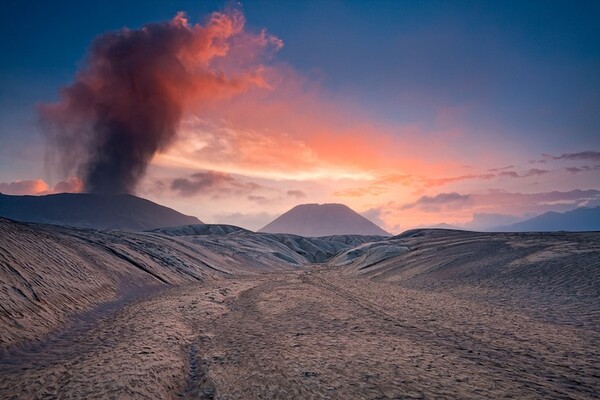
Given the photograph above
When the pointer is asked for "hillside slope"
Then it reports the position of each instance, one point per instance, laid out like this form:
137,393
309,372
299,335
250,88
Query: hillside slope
97,211
323,220
525,269
49,272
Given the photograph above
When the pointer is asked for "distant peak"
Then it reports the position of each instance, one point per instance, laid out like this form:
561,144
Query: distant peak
313,219
323,205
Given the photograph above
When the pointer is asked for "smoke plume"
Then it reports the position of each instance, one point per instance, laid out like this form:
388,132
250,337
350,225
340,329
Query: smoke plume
127,100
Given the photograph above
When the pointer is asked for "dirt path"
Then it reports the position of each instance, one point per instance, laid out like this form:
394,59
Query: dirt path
138,350
310,335
317,335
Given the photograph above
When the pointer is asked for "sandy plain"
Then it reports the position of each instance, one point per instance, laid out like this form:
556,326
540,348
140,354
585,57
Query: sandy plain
457,315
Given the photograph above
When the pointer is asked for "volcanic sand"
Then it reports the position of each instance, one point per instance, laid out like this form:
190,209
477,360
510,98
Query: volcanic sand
445,315
310,334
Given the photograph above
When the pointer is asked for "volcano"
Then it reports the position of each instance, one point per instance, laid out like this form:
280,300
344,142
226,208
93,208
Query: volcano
96,211
314,220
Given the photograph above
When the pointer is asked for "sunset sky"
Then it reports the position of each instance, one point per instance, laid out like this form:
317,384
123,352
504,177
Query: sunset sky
411,112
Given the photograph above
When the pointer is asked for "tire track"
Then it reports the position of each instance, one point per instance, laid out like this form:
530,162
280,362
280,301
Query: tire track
198,384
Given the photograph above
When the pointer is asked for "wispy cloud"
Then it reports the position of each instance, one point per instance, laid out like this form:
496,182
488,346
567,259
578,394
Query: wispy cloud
40,187
460,208
385,184
432,182
374,215
259,199
526,174
37,186
501,168
298,194
583,155
439,202
212,183
372,190
583,168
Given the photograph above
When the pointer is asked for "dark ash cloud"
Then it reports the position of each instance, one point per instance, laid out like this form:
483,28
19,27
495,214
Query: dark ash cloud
127,100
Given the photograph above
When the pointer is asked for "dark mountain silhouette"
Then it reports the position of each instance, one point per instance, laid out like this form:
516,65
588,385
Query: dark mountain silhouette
323,220
97,211
485,221
578,220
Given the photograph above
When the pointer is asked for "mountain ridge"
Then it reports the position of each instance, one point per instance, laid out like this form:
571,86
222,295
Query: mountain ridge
96,211
315,220
577,220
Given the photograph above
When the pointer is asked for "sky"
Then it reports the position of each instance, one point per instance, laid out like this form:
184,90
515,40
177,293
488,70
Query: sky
412,113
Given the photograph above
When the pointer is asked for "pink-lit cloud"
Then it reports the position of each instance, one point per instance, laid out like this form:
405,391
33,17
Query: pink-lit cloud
439,202
385,184
457,208
40,187
213,183
251,132
36,186
129,97
501,168
298,194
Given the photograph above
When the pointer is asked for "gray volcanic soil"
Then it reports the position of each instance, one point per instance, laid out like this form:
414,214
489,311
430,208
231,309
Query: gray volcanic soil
427,314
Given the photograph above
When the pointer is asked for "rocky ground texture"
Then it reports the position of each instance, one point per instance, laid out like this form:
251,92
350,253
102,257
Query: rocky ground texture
229,314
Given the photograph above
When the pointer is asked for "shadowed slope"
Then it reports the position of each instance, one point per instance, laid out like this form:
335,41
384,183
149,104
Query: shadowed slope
49,272
97,211
523,269
425,314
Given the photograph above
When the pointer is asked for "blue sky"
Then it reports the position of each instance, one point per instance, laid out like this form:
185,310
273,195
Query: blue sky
521,75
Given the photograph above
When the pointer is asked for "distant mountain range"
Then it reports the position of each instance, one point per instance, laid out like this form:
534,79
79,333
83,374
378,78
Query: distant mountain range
485,221
313,220
578,220
97,211
128,212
